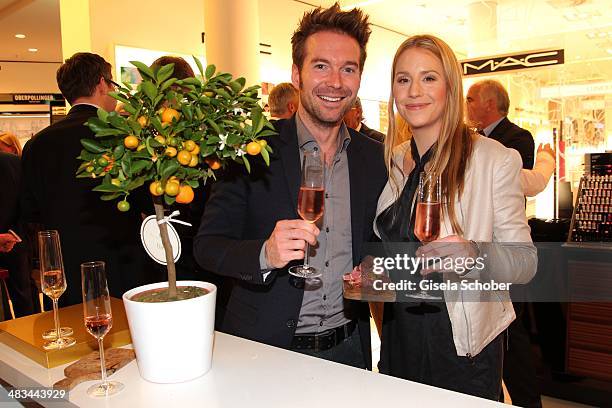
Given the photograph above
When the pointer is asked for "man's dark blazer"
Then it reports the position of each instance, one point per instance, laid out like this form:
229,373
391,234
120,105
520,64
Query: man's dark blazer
372,133
241,215
517,138
90,229
17,260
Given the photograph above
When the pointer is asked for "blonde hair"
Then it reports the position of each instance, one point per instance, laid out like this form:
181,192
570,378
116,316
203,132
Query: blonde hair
455,142
11,141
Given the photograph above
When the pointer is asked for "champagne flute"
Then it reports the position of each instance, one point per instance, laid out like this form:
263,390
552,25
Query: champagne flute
427,220
53,282
311,200
98,319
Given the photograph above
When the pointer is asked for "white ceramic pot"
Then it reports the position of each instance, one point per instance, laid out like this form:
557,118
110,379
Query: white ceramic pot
173,340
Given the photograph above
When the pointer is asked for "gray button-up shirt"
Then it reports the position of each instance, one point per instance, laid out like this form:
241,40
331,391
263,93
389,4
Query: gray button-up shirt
323,304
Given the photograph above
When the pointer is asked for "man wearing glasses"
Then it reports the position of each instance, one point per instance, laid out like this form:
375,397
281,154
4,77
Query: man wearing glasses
90,229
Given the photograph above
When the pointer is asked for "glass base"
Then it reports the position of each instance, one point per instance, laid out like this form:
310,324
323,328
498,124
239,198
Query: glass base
423,295
303,271
61,343
105,389
52,334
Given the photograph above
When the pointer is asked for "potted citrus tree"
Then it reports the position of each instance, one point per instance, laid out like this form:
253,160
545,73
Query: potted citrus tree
175,135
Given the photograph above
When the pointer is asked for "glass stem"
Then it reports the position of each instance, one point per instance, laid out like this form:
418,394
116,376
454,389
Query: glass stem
56,318
102,362
307,256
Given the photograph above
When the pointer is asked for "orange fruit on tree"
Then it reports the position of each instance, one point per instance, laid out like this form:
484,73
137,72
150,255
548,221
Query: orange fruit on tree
253,148
170,151
196,150
131,142
213,163
160,139
194,161
190,145
156,188
185,195
262,142
142,121
123,206
184,157
168,114
172,188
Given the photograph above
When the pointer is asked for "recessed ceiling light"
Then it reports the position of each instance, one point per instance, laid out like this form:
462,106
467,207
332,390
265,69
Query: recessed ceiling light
20,36
33,49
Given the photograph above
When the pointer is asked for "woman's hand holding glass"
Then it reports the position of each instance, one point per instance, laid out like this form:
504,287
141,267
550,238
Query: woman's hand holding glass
452,247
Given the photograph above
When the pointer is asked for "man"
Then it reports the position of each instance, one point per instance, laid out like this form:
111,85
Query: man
354,119
251,232
487,107
283,101
13,253
90,229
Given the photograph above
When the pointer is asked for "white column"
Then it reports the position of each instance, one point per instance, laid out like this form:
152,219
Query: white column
232,37
482,21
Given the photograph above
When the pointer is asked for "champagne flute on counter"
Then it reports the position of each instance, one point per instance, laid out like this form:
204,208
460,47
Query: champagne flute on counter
98,319
427,219
53,282
311,199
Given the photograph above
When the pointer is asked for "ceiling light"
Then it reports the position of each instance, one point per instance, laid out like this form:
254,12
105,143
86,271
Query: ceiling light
33,49
609,50
591,35
602,34
20,36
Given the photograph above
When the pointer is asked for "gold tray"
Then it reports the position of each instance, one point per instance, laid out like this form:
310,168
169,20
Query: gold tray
25,334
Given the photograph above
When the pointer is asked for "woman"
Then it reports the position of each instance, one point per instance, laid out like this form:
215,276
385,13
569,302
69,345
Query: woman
455,344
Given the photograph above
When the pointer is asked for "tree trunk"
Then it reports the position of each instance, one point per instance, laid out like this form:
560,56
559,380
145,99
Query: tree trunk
163,230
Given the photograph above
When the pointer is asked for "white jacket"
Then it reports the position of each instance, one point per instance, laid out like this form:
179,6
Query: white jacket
491,211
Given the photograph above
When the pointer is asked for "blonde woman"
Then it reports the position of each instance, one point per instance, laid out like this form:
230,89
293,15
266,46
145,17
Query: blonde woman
9,143
454,344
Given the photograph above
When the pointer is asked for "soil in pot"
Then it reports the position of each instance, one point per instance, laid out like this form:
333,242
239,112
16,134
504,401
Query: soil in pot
161,294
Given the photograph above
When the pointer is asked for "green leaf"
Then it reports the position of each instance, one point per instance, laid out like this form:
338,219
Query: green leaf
92,146
134,184
210,70
213,125
149,89
199,64
267,132
126,165
157,125
118,122
193,183
236,86
266,156
107,188
110,132
246,163
96,124
189,81
110,197
143,69
103,115
167,83
118,152
165,72
223,93
169,200
139,166
168,167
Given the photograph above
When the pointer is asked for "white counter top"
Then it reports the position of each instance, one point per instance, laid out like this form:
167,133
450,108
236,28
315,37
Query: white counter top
247,373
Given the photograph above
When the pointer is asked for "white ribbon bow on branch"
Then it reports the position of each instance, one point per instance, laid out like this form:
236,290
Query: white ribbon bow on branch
170,218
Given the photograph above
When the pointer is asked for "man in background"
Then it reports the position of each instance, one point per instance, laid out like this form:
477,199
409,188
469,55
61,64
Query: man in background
90,229
283,101
354,119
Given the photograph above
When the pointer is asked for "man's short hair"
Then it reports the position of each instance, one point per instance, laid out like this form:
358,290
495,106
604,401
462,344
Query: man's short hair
491,89
353,23
79,75
182,69
280,96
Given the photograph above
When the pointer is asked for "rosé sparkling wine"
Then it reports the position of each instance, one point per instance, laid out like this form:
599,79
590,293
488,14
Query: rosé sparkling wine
311,203
99,325
427,222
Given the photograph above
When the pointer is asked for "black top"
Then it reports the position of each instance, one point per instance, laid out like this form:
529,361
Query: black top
391,222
